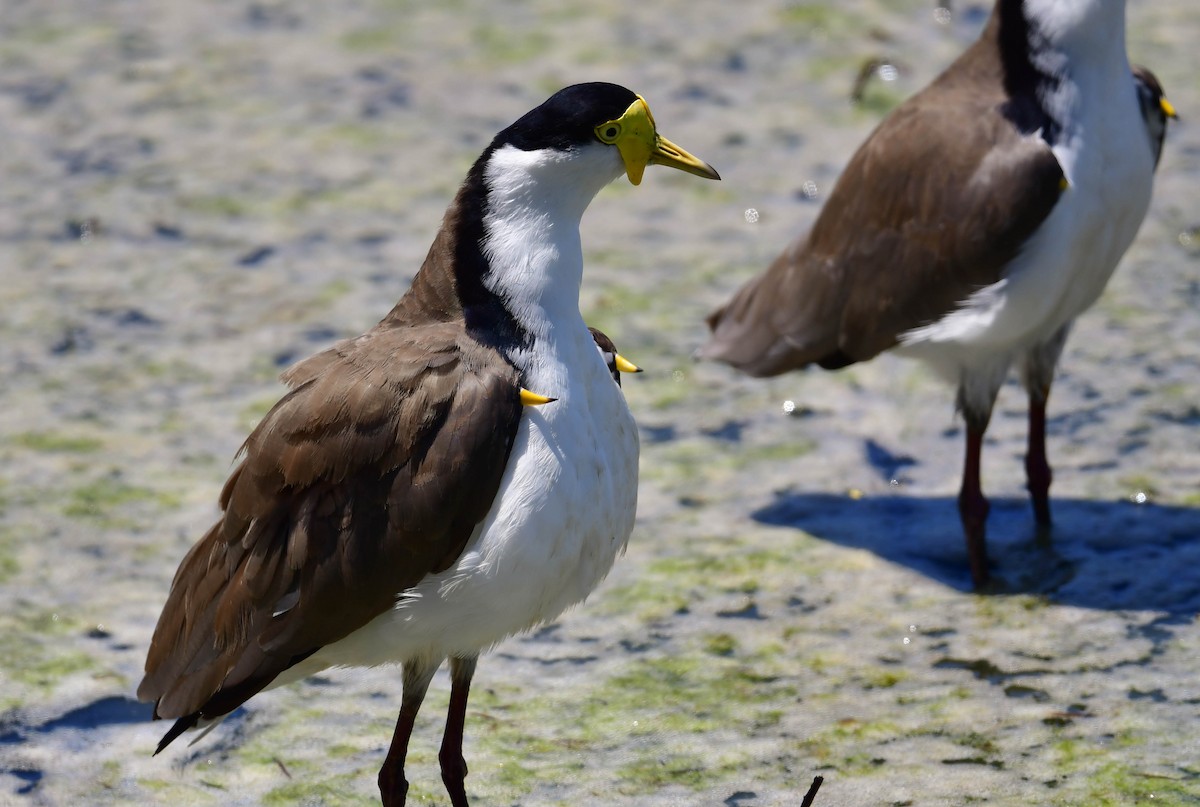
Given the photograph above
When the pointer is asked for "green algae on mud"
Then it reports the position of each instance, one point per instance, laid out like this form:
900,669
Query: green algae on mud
107,499
39,652
259,126
343,790
58,442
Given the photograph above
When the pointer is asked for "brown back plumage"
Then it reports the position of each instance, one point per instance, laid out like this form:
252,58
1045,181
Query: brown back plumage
371,473
930,208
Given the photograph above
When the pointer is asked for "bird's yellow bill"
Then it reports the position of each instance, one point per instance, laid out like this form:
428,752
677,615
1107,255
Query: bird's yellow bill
533,399
1167,107
635,136
624,365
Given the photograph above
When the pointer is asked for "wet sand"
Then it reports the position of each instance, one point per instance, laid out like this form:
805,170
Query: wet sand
195,196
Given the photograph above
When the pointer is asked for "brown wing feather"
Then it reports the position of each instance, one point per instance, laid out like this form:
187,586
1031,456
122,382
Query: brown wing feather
916,223
371,473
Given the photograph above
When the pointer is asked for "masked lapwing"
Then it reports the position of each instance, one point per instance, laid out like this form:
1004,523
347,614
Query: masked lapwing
1156,109
614,361
978,220
462,472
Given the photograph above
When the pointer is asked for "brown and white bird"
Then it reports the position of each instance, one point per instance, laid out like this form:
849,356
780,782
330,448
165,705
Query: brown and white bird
614,361
1156,109
400,504
970,229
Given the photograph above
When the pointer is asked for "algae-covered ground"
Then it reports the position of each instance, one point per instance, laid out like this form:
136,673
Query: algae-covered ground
193,195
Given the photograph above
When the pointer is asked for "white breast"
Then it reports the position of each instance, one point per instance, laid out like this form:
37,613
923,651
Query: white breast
1063,268
567,499
565,508
563,514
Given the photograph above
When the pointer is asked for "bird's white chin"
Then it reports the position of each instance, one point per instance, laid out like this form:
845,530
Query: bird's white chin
549,180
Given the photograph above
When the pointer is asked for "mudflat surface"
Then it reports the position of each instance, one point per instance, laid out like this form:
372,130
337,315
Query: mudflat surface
192,196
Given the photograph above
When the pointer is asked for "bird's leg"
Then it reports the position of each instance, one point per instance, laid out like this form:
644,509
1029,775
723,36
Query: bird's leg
454,767
1037,374
973,506
1038,475
393,787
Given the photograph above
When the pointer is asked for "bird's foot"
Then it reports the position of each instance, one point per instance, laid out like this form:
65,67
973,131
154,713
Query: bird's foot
454,775
1043,532
973,510
393,787
1038,477
1041,514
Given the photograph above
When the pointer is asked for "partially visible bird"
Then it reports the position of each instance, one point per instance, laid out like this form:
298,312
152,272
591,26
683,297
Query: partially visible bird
970,229
614,361
1156,109
461,472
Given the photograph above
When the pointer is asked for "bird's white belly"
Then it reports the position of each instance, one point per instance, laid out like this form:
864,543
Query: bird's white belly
563,513
1063,268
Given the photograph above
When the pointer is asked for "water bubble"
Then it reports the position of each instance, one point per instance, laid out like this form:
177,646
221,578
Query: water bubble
677,375
809,189
1139,497
894,483
941,15
888,72
789,407
907,640
751,215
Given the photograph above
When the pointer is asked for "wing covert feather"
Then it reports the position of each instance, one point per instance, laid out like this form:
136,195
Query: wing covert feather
914,226
370,474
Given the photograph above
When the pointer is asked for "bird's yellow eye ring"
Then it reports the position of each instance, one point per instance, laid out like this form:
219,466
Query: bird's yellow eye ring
608,132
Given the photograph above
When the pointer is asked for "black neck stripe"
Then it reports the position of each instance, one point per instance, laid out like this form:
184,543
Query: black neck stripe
488,318
1026,83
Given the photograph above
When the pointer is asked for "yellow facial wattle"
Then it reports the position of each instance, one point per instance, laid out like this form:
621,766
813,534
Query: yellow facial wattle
637,139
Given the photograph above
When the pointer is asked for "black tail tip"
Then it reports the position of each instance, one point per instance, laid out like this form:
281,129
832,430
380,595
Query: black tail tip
181,725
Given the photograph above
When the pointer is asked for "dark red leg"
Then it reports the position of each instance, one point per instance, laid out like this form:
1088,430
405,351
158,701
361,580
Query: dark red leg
454,766
393,787
1037,469
973,508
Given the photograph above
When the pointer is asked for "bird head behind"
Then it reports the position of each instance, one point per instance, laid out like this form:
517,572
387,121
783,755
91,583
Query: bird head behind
1156,109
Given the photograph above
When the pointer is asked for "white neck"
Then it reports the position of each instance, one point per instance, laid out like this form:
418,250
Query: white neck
531,229
1084,31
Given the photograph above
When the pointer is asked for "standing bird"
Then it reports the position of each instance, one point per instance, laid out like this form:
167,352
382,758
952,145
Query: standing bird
970,229
400,504
614,361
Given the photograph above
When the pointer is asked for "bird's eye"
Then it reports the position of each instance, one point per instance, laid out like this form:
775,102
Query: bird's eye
608,132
